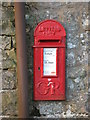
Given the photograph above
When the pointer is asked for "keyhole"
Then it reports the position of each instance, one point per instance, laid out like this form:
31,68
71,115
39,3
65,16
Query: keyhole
38,68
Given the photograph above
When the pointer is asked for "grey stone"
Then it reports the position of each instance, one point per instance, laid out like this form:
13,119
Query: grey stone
46,108
6,43
71,59
70,45
27,16
9,80
9,64
70,84
0,79
86,24
0,104
9,103
82,36
77,80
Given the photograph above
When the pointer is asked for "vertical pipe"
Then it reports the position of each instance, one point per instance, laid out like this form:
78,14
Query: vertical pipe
21,60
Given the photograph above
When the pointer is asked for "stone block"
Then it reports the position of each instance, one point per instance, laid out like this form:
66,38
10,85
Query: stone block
9,80
9,103
8,64
6,43
9,60
8,19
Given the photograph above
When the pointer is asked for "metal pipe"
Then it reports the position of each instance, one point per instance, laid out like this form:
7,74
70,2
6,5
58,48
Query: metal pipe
22,72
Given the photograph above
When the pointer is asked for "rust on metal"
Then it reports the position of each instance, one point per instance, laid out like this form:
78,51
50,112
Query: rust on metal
22,72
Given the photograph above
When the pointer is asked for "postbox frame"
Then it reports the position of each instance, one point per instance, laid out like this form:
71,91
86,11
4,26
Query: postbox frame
59,79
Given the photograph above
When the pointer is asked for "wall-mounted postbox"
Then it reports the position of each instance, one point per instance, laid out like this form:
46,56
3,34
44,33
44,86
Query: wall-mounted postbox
49,61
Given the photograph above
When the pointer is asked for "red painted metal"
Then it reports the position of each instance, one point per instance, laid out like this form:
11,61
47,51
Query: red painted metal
49,34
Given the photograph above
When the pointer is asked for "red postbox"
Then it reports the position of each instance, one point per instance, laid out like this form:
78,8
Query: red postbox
49,61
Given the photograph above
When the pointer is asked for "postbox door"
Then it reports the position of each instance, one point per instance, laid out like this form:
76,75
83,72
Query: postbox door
49,74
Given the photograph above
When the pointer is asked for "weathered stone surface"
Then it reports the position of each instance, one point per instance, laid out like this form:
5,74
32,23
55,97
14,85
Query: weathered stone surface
6,43
9,64
0,104
8,19
8,27
9,80
9,59
0,79
1,58
9,103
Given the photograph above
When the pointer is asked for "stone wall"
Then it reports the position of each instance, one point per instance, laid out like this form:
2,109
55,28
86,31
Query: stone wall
75,19
9,63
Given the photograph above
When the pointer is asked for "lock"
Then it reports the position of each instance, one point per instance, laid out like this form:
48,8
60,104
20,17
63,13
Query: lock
49,58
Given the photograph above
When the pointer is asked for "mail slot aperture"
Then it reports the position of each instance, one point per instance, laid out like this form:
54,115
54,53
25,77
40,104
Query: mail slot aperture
45,41
49,42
